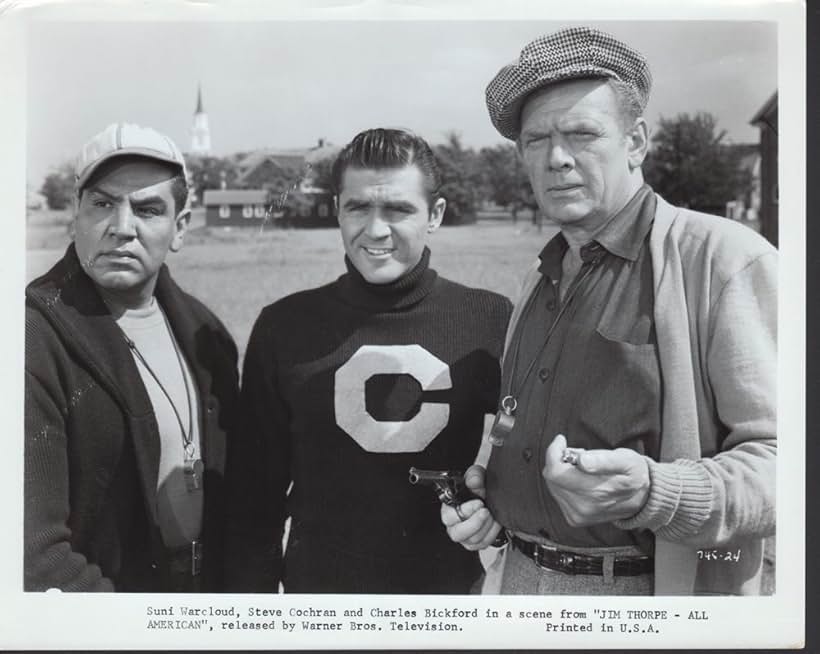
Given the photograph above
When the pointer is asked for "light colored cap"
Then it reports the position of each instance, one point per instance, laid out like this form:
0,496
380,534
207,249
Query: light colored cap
119,139
572,53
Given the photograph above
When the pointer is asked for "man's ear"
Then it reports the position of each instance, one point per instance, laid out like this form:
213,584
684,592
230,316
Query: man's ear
181,223
75,207
436,215
638,143
336,207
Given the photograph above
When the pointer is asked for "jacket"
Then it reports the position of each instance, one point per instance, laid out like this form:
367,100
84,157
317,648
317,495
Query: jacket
92,444
712,492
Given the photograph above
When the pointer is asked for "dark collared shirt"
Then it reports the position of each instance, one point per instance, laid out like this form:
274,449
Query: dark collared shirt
587,368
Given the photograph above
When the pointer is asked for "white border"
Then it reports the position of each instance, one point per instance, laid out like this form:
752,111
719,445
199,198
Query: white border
87,621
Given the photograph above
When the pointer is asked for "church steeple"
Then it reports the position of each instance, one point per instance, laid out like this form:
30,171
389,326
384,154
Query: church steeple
200,132
199,109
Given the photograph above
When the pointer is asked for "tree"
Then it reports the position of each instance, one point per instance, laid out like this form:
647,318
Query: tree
461,180
504,179
58,187
209,172
689,165
282,183
321,173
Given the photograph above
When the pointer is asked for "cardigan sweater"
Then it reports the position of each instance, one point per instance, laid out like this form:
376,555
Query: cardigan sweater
92,445
345,387
712,493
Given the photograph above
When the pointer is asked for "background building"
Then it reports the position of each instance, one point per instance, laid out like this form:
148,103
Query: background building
234,207
766,121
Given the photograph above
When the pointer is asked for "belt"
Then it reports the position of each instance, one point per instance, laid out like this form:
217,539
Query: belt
186,560
573,563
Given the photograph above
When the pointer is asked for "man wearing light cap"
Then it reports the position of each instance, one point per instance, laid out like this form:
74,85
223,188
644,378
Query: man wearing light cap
635,442
130,389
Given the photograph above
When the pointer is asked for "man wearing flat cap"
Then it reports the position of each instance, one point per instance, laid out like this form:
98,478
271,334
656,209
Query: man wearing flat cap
635,442
130,388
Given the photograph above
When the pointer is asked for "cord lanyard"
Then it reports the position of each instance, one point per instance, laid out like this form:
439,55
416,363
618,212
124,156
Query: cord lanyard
505,418
192,466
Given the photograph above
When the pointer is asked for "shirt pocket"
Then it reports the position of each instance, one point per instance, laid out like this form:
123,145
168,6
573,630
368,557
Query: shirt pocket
618,398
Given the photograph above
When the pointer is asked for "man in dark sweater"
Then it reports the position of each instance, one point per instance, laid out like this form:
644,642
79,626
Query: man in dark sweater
347,386
129,390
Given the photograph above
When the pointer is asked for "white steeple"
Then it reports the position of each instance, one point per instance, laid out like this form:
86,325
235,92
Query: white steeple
200,133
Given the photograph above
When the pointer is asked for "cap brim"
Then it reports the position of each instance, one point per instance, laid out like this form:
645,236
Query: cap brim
134,152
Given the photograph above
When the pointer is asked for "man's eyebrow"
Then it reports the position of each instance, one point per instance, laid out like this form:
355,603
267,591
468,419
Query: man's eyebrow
149,199
535,131
391,205
399,205
99,191
356,202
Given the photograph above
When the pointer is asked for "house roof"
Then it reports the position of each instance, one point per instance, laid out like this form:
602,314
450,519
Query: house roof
294,158
254,159
234,196
765,111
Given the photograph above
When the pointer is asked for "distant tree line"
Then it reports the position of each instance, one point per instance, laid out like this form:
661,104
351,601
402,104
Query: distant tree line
490,175
469,178
689,164
58,187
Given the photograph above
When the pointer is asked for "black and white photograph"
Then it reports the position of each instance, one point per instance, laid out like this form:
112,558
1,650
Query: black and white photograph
404,325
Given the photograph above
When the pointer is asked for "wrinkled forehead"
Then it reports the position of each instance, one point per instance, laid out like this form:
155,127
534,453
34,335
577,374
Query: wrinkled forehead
577,97
125,175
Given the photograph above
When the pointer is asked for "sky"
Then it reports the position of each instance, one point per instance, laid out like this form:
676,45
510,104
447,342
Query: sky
285,84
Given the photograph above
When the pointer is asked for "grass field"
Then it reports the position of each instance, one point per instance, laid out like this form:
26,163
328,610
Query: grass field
237,272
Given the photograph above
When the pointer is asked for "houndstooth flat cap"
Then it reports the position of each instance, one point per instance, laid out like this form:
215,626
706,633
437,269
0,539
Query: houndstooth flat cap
571,53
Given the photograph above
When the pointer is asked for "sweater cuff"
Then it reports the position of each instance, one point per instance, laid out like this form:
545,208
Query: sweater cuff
679,502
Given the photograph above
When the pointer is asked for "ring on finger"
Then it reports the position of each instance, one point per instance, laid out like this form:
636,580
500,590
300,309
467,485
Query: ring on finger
460,515
570,456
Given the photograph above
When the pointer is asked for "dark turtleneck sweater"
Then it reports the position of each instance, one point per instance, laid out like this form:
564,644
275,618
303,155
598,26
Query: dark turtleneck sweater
346,387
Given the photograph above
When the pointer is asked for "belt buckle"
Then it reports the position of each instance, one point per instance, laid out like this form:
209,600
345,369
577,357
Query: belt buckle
538,551
196,557
536,556
567,563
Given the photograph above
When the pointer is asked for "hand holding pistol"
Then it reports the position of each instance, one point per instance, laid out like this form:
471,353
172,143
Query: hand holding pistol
448,484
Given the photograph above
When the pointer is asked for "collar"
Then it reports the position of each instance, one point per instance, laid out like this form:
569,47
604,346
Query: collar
143,318
622,236
407,290
626,232
551,256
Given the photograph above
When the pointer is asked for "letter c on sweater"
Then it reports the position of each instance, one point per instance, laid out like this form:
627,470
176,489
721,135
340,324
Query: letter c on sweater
385,436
